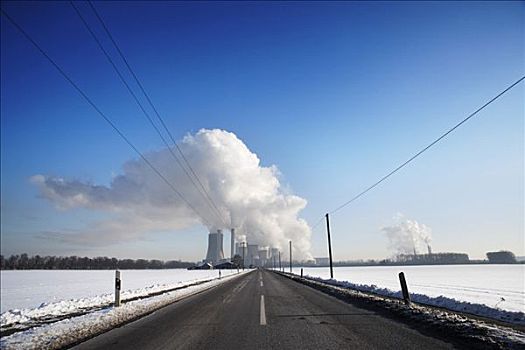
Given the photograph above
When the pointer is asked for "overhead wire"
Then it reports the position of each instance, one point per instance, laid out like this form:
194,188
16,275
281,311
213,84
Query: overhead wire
150,102
132,93
102,114
427,147
375,184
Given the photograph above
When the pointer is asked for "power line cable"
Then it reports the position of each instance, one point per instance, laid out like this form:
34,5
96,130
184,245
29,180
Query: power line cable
153,106
113,126
123,80
318,223
427,147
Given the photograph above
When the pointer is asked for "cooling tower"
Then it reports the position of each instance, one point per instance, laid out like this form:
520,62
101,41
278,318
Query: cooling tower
253,254
215,253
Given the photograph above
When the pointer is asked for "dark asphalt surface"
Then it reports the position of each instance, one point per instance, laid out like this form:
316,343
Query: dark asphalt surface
231,316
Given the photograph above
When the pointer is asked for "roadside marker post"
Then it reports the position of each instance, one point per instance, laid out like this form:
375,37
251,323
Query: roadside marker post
117,288
404,288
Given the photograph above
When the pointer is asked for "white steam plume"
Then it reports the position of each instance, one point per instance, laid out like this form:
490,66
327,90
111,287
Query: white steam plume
248,195
407,236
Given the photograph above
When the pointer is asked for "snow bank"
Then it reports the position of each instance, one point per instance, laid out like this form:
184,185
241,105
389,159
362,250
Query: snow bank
441,301
72,330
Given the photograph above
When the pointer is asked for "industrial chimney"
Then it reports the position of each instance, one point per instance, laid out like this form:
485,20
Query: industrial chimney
429,249
232,243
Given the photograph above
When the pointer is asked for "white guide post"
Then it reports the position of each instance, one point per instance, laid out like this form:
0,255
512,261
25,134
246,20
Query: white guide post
117,288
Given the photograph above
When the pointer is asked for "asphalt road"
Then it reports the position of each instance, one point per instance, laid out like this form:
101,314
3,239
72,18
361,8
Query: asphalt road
263,310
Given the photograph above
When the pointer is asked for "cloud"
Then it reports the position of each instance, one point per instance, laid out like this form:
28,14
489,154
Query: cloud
249,196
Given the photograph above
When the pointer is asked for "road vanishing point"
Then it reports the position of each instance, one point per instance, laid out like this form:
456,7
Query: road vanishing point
264,310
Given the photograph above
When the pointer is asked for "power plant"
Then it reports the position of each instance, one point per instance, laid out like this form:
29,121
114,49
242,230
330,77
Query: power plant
433,258
253,254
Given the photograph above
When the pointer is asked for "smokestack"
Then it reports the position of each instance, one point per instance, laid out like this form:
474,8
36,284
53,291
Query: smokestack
232,244
429,249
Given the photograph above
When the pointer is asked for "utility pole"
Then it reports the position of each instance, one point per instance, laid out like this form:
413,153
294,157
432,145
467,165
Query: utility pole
243,244
280,268
329,246
290,256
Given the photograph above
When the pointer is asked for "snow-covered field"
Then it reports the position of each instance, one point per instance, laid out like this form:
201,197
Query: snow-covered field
29,289
496,286
75,328
34,298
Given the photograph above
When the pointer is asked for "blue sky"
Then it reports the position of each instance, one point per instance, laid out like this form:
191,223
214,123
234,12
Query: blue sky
334,94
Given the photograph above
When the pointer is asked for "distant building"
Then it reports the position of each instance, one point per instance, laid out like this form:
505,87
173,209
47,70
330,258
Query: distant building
215,253
252,254
263,257
202,266
501,257
225,265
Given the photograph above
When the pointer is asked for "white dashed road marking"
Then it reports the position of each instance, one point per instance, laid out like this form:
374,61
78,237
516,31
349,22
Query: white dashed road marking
263,312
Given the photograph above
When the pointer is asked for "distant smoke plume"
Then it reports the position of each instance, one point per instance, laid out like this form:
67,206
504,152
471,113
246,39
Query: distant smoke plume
407,236
248,195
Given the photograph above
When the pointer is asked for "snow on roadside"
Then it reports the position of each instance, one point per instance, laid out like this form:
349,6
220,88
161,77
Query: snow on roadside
472,333
441,301
24,318
69,331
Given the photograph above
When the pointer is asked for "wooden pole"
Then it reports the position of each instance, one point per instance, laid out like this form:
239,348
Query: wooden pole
329,246
404,288
280,267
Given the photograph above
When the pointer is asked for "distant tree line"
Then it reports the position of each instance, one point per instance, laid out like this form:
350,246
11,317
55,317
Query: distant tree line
37,262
